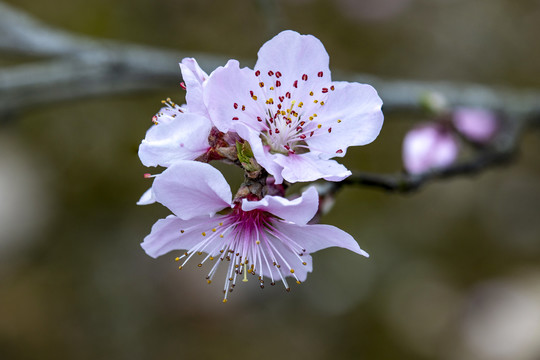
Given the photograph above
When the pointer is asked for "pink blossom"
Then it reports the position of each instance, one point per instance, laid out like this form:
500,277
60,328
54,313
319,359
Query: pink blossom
429,146
479,125
267,237
290,111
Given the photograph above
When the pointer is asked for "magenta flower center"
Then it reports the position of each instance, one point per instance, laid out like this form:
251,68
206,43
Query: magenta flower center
246,240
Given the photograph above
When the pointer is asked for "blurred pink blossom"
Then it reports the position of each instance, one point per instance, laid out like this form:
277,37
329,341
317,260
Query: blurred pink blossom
429,146
478,125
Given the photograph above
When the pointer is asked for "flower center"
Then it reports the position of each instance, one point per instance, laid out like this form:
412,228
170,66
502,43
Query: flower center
246,240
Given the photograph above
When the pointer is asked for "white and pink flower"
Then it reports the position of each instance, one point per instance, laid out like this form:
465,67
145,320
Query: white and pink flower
268,237
429,146
290,111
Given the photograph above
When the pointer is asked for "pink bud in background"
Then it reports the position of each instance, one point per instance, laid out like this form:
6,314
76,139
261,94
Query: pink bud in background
427,147
478,125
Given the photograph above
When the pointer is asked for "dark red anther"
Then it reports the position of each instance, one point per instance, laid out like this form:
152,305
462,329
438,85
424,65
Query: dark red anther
270,73
183,85
287,147
235,105
288,95
270,131
277,131
330,130
325,90
295,84
279,106
311,133
235,118
302,123
339,151
251,93
281,98
304,77
303,136
320,74
259,118
278,83
278,74
332,87
298,128
257,73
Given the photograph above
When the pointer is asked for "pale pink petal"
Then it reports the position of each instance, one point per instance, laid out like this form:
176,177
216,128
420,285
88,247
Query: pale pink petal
293,56
190,189
173,233
476,124
194,77
428,147
184,137
316,237
147,198
228,98
351,116
309,167
299,210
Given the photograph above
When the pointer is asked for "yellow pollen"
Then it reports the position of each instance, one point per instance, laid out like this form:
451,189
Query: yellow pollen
319,126
339,120
209,281
254,97
304,263
220,224
180,267
292,271
199,252
315,101
314,115
298,282
221,236
224,301
203,234
177,258
288,111
257,242
211,258
271,88
322,103
300,104
213,230
261,84
283,112
311,93
182,231
311,118
199,265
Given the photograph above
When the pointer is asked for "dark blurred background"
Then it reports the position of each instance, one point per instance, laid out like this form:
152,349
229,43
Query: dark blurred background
454,271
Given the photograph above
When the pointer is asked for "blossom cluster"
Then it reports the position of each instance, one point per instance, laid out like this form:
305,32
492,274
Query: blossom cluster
283,122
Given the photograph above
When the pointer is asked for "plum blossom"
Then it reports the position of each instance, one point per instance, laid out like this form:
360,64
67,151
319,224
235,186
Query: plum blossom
429,146
476,124
267,238
290,111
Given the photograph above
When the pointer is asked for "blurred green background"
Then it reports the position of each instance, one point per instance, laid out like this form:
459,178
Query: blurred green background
454,271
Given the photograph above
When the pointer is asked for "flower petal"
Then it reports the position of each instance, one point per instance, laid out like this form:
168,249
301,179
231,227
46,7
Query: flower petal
309,167
147,198
173,233
427,147
351,116
476,124
293,56
228,98
190,189
184,137
194,78
316,237
298,211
